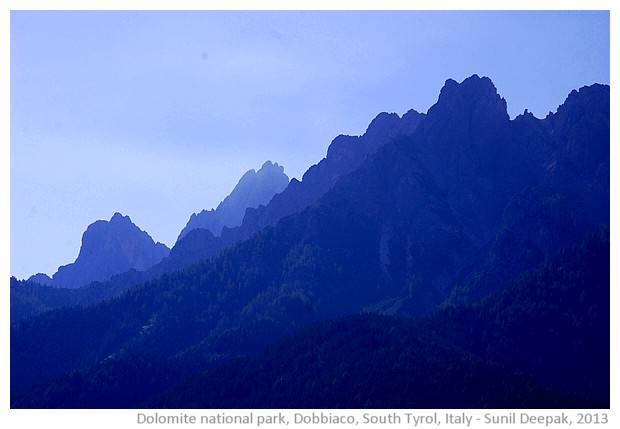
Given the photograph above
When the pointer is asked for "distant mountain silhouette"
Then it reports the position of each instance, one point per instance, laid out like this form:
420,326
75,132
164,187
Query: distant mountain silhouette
255,188
345,154
110,248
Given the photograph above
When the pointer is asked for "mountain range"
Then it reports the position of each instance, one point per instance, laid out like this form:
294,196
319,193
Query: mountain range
114,247
461,252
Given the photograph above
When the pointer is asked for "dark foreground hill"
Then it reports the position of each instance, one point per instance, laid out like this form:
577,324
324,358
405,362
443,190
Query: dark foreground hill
534,345
516,349
437,223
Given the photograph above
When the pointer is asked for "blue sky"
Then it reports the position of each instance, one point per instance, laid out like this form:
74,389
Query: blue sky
158,114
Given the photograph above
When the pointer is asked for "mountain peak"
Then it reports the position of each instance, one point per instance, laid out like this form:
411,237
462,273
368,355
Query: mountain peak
253,189
587,95
110,248
475,93
448,84
475,98
471,86
381,125
271,167
119,218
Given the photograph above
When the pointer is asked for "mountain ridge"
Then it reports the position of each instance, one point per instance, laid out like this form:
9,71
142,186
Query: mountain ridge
344,154
535,135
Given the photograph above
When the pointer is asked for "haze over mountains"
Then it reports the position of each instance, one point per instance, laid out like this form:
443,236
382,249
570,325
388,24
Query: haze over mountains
255,188
110,248
197,240
458,220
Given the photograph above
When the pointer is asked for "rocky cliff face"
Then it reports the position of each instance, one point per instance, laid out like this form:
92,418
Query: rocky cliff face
471,199
255,188
558,192
109,248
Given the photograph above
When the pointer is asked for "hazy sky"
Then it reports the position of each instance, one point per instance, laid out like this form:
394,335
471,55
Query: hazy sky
158,114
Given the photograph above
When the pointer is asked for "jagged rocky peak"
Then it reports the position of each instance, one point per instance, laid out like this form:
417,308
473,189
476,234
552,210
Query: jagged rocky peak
109,248
253,189
476,95
383,124
584,102
267,169
527,113
380,130
341,146
271,167
410,121
118,216
102,234
581,129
